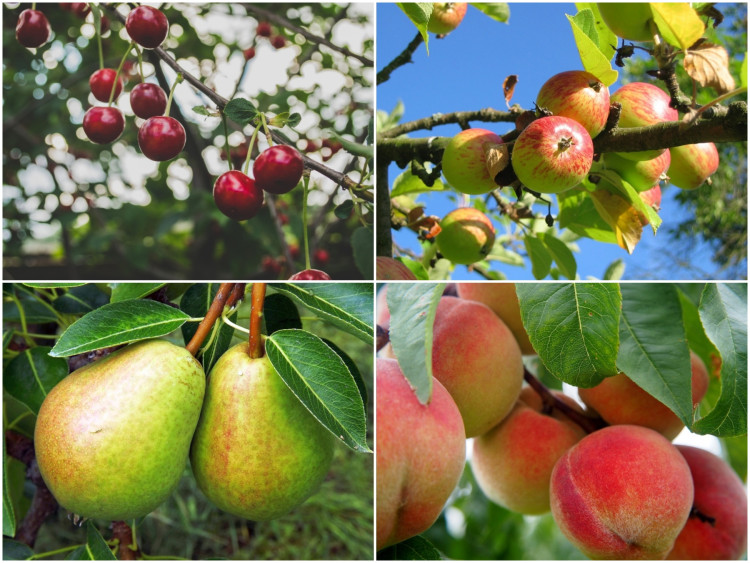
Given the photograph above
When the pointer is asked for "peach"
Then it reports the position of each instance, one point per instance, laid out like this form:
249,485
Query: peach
513,462
618,400
717,527
623,492
476,358
421,451
382,314
501,298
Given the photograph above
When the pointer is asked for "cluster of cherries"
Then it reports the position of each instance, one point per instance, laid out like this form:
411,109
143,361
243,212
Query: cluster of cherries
264,29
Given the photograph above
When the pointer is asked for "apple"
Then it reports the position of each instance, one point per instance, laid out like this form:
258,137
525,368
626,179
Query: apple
466,236
446,16
629,20
552,155
579,95
641,174
652,198
692,165
464,161
643,104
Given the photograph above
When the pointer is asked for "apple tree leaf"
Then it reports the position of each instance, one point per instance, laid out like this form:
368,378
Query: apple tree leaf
561,254
586,37
678,23
319,378
419,13
541,260
604,38
498,11
32,374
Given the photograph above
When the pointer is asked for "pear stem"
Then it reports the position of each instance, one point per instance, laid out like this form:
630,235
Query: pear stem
255,348
214,312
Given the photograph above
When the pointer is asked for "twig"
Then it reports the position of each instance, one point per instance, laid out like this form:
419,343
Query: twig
400,60
487,115
214,312
124,536
384,241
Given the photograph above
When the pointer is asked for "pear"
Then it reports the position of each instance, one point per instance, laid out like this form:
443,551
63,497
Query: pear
112,438
258,452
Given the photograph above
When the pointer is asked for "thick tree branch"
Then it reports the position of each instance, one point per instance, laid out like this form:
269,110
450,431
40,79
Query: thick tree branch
488,115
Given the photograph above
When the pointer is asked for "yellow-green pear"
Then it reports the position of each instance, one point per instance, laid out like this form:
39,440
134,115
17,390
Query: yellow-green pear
112,438
258,452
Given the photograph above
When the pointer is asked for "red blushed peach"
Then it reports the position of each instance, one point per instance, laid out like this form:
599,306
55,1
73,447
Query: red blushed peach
476,358
513,462
717,528
382,314
502,299
623,492
421,450
618,400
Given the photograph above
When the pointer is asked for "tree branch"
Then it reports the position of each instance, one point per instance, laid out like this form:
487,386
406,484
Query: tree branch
488,115
384,240
400,60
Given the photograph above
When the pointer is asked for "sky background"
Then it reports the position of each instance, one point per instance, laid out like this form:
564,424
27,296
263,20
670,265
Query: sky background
465,71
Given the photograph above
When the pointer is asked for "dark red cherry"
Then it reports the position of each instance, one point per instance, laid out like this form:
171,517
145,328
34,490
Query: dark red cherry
147,26
237,195
103,124
321,256
32,29
278,41
263,29
148,100
310,275
278,169
249,53
101,84
80,9
161,138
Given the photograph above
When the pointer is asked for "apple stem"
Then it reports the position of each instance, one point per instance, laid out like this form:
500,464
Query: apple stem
255,348
213,313
305,185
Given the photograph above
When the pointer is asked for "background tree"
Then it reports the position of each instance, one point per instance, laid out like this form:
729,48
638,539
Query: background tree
73,209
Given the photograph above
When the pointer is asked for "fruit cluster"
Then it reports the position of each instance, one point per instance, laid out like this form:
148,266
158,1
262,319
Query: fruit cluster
265,31
615,484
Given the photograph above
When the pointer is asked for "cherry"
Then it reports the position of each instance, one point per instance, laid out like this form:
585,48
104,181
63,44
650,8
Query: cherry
161,138
270,265
321,256
249,53
278,41
237,195
148,100
103,124
80,9
264,29
278,169
310,275
32,29
147,26
101,84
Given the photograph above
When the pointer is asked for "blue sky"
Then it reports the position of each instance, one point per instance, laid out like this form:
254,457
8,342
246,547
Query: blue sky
465,71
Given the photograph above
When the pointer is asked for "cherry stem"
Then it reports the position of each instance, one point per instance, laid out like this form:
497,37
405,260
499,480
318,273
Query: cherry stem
249,156
255,347
171,92
226,139
305,186
101,52
269,138
213,313
550,401
117,74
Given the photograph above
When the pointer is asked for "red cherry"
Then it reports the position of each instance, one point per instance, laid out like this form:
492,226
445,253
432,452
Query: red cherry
310,275
249,53
32,29
105,25
103,124
161,138
101,84
270,265
264,29
278,41
294,251
321,256
148,100
147,26
278,169
80,9
237,195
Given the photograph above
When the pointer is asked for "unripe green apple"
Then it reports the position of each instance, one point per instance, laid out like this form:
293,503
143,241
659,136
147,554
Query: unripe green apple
579,95
465,158
692,165
446,16
552,155
643,104
466,236
629,20
641,174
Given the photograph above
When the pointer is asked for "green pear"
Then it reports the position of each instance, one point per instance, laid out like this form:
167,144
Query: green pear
258,452
112,438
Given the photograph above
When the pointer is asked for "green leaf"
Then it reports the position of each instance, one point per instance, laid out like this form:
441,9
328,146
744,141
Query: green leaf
32,374
96,549
413,549
615,270
498,11
653,347
125,291
678,23
9,515
561,254
697,340
196,303
34,312
241,111
15,550
363,248
736,450
81,300
53,285
322,381
417,268
280,312
408,183
579,215
118,323
541,260
413,308
500,253
586,36
344,210
723,309
387,121
574,327
347,306
353,369
357,149
605,40
419,13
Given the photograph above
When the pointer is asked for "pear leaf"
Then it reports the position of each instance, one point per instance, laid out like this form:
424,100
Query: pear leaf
280,312
9,515
32,374
321,380
125,291
196,303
